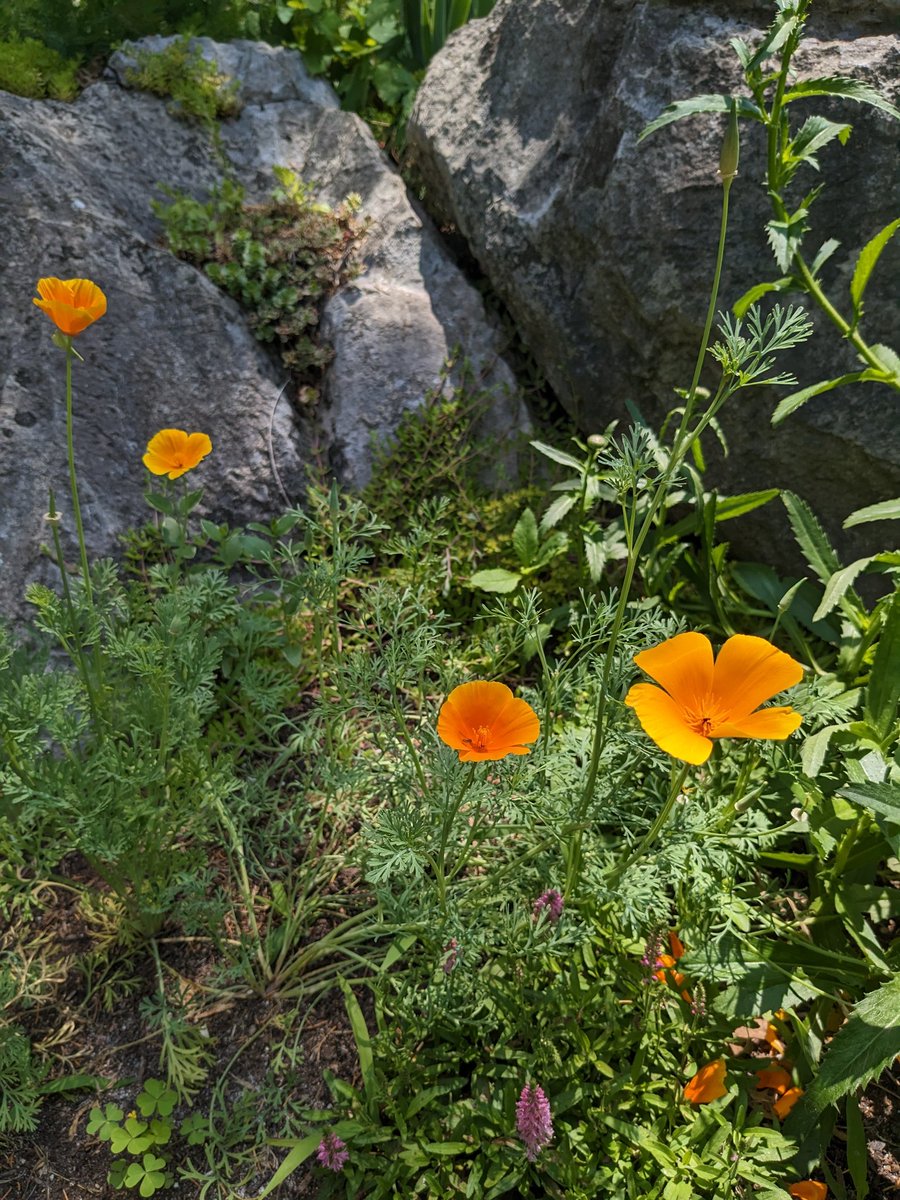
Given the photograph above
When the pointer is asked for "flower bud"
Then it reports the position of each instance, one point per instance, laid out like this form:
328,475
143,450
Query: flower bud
731,147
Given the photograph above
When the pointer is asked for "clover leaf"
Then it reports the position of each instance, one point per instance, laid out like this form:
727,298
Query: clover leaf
156,1097
131,1137
103,1121
150,1173
195,1129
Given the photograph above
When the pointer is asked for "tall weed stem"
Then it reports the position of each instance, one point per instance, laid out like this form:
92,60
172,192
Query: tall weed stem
681,443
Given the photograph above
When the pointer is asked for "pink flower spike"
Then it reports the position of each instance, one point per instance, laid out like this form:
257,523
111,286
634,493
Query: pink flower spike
552,901
534,1123
332,1153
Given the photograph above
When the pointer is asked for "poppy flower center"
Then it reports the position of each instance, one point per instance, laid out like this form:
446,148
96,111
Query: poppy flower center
480,739
702,725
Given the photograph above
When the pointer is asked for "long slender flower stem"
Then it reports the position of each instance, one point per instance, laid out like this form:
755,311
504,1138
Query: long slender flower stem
662,818
683,438
73,481
446,826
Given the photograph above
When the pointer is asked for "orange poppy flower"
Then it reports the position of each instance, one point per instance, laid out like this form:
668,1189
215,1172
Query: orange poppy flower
667,961
773,1037
172,452
701,699
485,721
708,1084
71,304
785,1103
775,1077
808,1189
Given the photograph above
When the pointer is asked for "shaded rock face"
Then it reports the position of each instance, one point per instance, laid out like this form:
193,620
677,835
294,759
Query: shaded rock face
76,183
525,132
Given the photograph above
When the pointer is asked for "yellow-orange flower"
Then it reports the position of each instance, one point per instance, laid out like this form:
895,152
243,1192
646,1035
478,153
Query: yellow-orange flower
667,961
785,1103
172,452
485,721
71,304
808,1189
775,1077
708,1084
701,699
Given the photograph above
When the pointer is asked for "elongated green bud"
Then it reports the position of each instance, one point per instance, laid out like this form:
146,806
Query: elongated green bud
731,148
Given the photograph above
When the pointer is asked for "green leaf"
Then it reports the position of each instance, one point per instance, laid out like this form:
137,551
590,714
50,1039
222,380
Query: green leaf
497,579
810,535
796,400
299,1154
559,456
701,104
777,34
841,85
759,290
813,134
728,507
785,237
837,586
883,691
825,252
869,1042
560,507
363,1045
525,538
891,361
865,264
887,510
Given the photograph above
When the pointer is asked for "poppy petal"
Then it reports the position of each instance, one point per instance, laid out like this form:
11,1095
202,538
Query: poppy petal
683,666
808,1189
708,1084
516,724
774,723
663,720
775,1077
785,1103
750,670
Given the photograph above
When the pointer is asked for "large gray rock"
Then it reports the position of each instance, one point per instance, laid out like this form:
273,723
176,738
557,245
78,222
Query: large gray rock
75,190
525,132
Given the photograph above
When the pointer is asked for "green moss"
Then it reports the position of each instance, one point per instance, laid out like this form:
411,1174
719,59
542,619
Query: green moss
29,68
279,259
199,92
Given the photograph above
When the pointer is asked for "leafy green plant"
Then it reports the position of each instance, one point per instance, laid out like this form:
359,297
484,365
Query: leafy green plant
29,68
140,1140
788,150
429,23
280,259
199,92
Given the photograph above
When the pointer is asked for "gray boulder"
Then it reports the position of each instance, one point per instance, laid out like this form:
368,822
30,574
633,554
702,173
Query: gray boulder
173,350
525,133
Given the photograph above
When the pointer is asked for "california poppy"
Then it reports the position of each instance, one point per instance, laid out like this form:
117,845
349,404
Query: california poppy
701,699
776,1078
485,721
71,304
667,961
708,1084
786,1102
808,1189
172,452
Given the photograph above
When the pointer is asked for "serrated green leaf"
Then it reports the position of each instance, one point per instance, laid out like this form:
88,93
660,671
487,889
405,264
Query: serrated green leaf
701,104
815,748
891,360
560,507
811,538
841,85
785,237
525,538
883,691
861,1050
838,585
777,34
796,400
866,261
595,557
739,308
887,510
812,135
825,252
559,456
496,579
557,543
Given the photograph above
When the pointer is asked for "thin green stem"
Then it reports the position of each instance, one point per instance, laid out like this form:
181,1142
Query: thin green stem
446,826
73,482
682,441
656,828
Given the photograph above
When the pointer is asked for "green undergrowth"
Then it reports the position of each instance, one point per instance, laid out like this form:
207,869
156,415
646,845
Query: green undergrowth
280,259
198,91
31,69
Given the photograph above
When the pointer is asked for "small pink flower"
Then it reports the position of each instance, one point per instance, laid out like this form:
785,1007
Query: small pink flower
332,1153
552,901
534,1123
